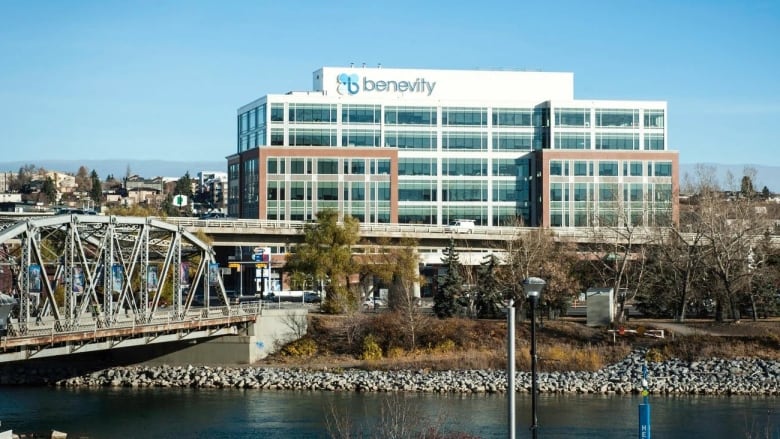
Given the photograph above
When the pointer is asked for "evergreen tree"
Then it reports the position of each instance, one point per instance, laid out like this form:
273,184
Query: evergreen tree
489,299
184,186
450,285
326,255
96,189
765,194
49,190
82,179
747,187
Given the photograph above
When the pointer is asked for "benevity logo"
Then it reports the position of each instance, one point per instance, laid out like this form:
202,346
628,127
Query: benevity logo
348,84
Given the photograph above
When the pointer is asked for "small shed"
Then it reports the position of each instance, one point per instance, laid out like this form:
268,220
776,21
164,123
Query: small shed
601,306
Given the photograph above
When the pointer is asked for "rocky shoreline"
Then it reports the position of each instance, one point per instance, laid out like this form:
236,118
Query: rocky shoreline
709,377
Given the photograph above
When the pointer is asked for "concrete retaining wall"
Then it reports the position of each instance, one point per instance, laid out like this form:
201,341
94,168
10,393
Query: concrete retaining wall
272,329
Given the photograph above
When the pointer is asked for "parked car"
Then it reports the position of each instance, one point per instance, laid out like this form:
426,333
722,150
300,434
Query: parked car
213,215
311,297
461,226
374,303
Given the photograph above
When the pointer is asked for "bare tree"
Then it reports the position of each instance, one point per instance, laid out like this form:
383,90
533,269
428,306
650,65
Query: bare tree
536,253
619,249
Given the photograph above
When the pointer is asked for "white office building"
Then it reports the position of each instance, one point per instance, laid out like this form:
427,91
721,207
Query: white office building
431,146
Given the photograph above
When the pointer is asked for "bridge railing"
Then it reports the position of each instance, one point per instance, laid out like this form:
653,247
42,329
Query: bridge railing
88,324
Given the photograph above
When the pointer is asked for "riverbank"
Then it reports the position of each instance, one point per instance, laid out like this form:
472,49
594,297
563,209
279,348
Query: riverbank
708,377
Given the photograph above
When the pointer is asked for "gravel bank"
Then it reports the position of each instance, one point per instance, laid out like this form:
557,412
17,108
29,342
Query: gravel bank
710,377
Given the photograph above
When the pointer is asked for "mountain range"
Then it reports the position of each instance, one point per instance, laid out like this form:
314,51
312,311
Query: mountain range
768,176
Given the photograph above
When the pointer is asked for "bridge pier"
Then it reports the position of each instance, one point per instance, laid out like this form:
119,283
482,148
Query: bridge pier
272,329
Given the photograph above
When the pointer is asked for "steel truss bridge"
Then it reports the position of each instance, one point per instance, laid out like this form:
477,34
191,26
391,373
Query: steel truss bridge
79,283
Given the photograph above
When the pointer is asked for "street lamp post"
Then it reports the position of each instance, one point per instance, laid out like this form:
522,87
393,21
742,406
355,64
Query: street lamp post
533,287
510,364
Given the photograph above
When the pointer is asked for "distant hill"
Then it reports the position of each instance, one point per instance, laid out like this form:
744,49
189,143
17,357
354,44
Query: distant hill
144,168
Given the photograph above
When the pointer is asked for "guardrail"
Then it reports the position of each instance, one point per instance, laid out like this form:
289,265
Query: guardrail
95,324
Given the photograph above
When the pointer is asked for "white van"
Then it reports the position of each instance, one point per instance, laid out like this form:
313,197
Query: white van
461,226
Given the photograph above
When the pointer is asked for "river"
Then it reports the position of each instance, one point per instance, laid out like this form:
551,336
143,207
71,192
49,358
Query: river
199,413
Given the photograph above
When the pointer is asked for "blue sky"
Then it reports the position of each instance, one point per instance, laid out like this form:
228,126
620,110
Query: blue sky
163,79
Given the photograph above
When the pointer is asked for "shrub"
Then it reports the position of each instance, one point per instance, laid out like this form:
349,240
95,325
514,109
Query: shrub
371,349
303,347
396,352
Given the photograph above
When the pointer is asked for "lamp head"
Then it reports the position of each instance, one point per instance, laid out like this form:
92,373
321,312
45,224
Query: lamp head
533,287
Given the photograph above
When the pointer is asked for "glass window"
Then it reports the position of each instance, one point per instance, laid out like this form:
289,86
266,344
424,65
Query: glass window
358,166
663,169
654,118
297,166
277,112
312,137
312,113
580,168
360,138
410,116
252,118
510,167
617,118
608,192
277,136
327,190
581,192
503,141
358,190
654,142
457,141
460,190
327,166
411,140
272,165
421,166
556,167
464,167
635,169
416,190
572,117
382,166
464,116
360,114
556,192
507,191
244,123
517,117
617,141
572,140
417,214
663,192
636,192
608,169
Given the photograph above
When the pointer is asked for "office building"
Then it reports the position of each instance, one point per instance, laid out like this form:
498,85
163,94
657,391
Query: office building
432,146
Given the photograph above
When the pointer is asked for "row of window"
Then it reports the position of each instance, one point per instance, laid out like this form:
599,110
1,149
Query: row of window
609,192
422,141
450,116
459,141
408,191
406,166
607,118
659,217
327,166
610,168
608,141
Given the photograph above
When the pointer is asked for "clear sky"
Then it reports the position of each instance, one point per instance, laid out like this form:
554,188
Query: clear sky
163,79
